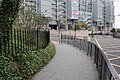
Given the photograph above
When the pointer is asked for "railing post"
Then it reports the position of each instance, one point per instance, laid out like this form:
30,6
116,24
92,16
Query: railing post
95,54
37,38
8,33
20,41
4,42
91,50
103,70
0,46
88,49
48,36
80,44
23,40
15,40
28,39
61,37
100,65
74,42
67,40
11,40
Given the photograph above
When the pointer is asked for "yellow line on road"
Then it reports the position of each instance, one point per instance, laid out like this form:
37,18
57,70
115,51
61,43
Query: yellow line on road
116,65
112,55
98,44
114,58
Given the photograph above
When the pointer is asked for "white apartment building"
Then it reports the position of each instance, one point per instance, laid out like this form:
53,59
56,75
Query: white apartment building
73,9
109,15
97,13
103,15
62,12
30,4
44,7
40,6
59,13
79,10
72,12
85,11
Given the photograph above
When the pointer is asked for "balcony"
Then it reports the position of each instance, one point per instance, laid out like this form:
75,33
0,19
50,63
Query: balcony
54,9
61,9
54,3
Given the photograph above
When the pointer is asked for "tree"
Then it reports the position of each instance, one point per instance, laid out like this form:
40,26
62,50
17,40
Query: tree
8,12
78,24
30,19
84,25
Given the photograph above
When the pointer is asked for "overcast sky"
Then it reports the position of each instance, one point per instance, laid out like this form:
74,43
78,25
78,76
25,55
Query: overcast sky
117,12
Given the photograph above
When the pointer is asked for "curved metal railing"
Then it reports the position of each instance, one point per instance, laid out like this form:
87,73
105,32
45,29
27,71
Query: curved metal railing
105,70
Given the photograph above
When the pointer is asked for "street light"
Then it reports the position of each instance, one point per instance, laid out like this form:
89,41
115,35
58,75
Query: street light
68,20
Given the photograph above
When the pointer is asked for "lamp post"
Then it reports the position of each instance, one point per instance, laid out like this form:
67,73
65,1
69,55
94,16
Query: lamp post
59,32
68,20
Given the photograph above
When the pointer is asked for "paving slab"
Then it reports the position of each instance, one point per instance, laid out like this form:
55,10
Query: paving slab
68,64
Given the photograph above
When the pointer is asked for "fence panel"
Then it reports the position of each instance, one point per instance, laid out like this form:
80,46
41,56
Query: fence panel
103,66
14,41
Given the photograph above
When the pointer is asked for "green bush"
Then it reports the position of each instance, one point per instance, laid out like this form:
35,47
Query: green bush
25,64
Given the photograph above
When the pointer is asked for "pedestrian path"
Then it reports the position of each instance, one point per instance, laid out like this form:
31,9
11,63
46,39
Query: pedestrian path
69,63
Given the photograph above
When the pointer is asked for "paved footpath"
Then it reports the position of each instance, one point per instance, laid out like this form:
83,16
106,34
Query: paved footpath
68,64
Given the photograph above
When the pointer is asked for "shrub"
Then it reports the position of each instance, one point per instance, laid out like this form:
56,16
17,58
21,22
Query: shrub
25,64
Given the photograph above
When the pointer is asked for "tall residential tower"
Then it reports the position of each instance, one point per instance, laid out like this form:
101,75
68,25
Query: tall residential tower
103,15
97,13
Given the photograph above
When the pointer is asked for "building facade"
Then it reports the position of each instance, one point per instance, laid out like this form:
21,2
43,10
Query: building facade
72,12
103,15
85,11
97,13
30,4
59,14
79,10
109,15
44,7
62,12
73,9
40,6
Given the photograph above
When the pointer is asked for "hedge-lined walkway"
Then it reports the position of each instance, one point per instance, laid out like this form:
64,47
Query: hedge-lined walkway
68,64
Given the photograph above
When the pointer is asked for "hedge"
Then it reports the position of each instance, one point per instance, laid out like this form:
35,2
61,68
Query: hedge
26,64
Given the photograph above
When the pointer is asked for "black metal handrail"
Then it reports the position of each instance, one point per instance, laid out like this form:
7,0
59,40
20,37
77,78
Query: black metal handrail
105,70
